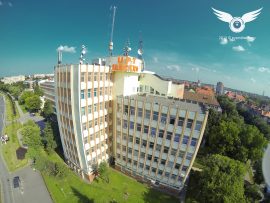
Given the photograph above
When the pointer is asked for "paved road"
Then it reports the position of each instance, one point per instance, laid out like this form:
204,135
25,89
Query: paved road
32,188
4,174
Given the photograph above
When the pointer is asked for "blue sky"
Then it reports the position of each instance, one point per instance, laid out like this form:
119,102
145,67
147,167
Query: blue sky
181,38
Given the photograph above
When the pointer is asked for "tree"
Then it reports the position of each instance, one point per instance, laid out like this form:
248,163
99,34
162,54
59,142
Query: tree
24,96
222,180
47,109
60,170
50,144
38,91
31,137
33,103
103,171
252,192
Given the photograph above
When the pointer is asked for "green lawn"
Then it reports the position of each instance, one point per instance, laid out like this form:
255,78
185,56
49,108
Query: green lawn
9,111
9,149
120,189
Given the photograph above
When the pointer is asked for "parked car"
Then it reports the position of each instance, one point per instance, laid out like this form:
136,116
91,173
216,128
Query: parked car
16,181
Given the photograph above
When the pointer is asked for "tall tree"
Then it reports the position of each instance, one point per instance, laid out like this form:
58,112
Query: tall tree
47,109
24,96
103,171
50,143
38,91
33,103
222,180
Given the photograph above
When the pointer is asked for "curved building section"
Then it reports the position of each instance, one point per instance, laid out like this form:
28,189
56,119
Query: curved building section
266,167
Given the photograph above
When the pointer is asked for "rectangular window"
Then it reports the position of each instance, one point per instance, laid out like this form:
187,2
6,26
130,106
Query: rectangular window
176,137
156,159
139,127
161,133
152,90
131,125
167,174
181,121
89,109
169,135
100,91
189,156
82,94
163,161
193,142
132,110
172,120
85,140
160,172
135,163
84,126
147,114
151,145
130,138
177,166
95,107
142,155
163,118
137,140
155,116
140,111
126,109
95,76
185,139
189,123
198,125
181,154
170,164
153,132
149,157
96,121
158,147
166,150
147,168
124,136
141,165
173,176
95,92
184,168
136,152
89,76
130,150
82,77
124,148
100,76
145,129
83,111
154,170
173,152
90,124
89,93
144,143
125,125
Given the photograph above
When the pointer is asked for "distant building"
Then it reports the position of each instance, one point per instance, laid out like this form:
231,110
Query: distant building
13,79
235,96
42,76
205,90
29,83
220,88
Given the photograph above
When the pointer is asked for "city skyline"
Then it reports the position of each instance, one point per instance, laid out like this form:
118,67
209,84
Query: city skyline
181,39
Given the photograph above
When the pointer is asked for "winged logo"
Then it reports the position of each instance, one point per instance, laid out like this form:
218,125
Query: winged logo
237,24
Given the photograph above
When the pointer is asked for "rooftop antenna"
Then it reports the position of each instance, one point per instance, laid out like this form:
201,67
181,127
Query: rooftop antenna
59,56
140,50
111,37
83,52
127,48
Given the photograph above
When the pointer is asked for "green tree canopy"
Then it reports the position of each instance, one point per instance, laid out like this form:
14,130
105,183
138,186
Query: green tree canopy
50,143
24,96
33,103
48,109
222,180
38,91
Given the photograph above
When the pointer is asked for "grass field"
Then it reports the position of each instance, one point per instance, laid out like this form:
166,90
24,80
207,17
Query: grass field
23,108
9,111
119,189
9,149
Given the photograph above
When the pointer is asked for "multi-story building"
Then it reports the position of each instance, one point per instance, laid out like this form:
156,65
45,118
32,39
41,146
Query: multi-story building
115,109
220,88
13,79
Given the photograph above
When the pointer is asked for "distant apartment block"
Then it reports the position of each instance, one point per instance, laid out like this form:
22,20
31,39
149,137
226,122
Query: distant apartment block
113,109
220,88
13,79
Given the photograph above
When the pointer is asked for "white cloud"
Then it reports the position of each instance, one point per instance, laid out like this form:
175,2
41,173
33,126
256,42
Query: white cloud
155,59
264,70
223,40
173,67
250,39
195,69
10,4
253,80
249,69
1,3
66,49
239,48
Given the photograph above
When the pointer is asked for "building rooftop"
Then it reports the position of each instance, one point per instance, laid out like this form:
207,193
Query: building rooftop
201,98
169,102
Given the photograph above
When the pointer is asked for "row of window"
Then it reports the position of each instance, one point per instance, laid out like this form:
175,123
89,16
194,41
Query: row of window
90,76
94,108
96,121
161,133
164,118
95,92
153,169
157,147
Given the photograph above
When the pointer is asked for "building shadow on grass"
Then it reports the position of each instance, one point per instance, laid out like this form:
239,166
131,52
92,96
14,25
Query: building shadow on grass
154,195
82,198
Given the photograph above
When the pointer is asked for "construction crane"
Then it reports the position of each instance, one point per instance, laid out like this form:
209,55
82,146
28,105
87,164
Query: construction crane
111,37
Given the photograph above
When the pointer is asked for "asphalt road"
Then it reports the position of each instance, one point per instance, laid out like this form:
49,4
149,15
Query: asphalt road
4,174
